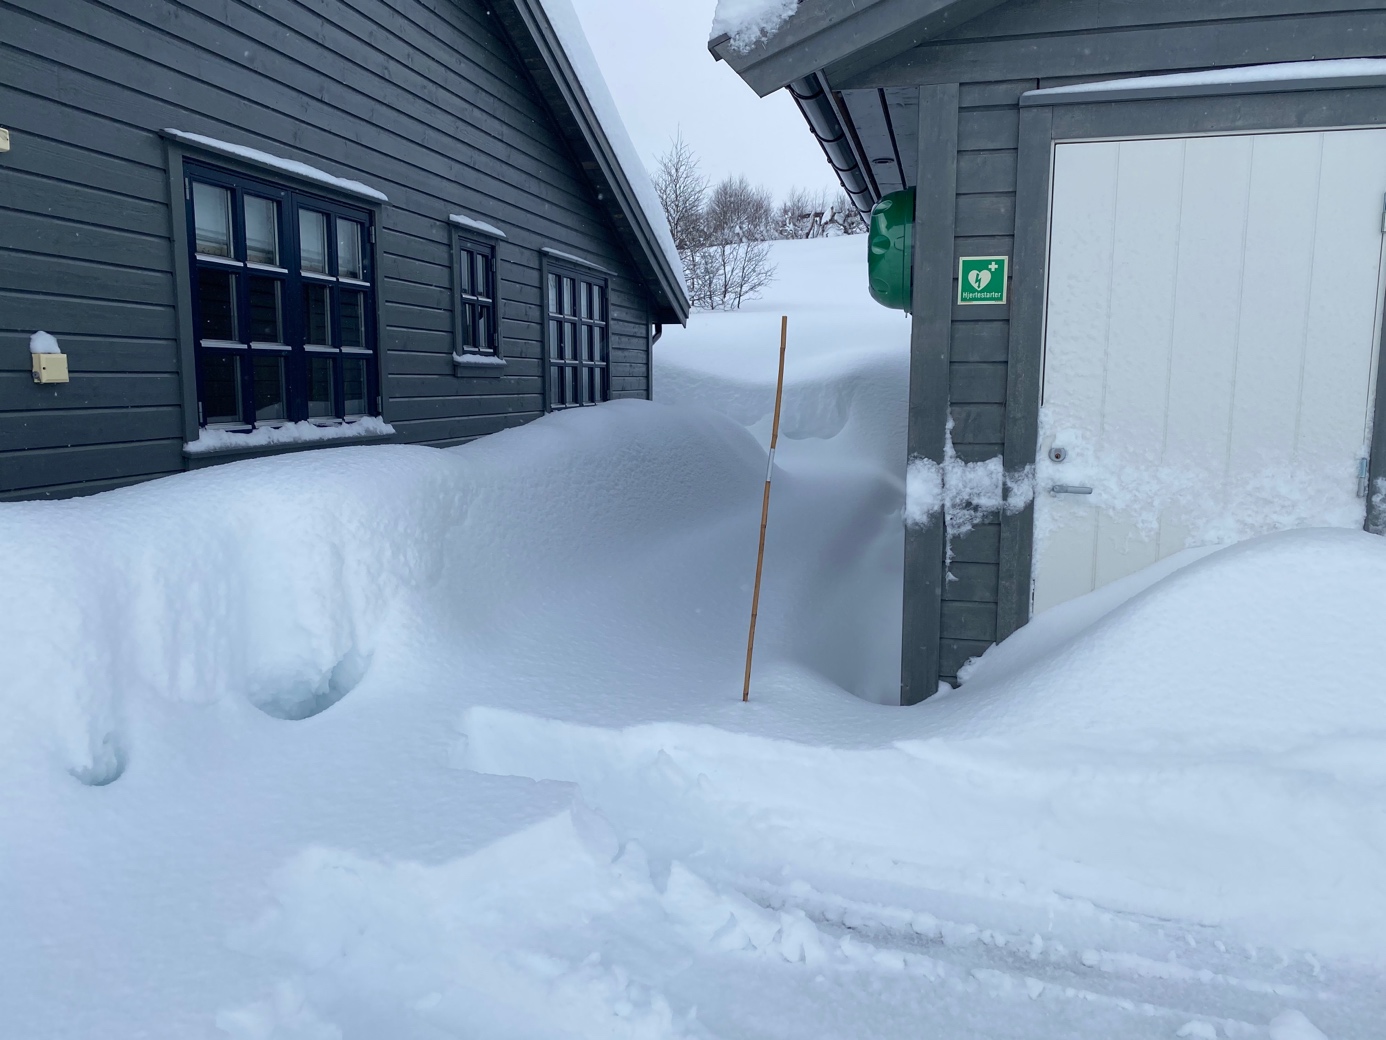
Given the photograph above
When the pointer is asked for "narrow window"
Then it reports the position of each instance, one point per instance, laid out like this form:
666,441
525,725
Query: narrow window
312,242
354,386
283,303
577,344
212,219
261,231
474,274
349,263
321,399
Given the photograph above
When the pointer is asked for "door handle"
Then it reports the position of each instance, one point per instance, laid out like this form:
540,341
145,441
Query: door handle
1070,489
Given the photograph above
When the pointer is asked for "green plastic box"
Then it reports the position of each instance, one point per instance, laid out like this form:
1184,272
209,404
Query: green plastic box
890,250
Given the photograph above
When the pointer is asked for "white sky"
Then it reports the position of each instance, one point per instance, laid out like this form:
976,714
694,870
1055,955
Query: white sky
655,59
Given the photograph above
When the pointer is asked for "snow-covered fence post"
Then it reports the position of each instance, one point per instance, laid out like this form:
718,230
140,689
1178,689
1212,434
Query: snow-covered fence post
765,509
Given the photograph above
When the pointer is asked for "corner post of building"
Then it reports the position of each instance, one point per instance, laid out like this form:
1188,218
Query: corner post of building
1025,358
930,346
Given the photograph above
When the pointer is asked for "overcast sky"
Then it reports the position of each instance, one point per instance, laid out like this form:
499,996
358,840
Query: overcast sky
655,59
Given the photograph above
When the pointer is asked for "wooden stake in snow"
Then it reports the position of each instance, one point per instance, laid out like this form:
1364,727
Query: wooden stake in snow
765,509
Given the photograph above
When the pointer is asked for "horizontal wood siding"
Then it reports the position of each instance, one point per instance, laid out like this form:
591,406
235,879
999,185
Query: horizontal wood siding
423,99
1068,39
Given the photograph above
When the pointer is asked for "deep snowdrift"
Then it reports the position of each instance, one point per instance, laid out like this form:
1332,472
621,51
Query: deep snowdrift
388,741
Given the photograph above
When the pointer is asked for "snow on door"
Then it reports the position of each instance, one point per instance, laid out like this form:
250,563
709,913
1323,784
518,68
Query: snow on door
1210,346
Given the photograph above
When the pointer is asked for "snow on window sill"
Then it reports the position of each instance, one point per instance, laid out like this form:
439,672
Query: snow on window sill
472,224
477,364
219,441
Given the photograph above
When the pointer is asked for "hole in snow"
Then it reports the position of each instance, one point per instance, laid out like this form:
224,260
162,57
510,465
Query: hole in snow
304,700
106,766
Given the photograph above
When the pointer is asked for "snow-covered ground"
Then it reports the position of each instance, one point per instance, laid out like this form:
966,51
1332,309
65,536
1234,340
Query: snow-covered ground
396,742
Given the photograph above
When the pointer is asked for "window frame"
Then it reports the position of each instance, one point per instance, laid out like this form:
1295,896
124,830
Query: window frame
551,267
476,243
188,163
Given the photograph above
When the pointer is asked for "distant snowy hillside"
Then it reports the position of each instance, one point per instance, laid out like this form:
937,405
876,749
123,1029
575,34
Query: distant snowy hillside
397,742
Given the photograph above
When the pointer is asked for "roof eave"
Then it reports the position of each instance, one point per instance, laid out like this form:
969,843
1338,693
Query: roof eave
543,55
824,34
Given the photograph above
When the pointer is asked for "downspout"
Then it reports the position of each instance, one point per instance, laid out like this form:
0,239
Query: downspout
818,111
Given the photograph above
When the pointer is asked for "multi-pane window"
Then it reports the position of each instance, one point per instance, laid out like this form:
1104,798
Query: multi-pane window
576,310
283,303
474,268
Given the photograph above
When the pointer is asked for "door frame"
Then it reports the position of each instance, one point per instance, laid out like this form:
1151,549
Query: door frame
1047,120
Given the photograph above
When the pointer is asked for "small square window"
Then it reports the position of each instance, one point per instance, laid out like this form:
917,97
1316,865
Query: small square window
261,230
212,219
312,241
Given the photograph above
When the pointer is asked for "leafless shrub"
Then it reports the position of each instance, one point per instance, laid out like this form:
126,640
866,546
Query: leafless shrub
721,231
814,215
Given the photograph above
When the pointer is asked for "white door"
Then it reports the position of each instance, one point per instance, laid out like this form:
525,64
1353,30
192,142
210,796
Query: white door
1210,346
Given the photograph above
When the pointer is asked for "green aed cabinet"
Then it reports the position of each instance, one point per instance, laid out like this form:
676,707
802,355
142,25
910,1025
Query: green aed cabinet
890,250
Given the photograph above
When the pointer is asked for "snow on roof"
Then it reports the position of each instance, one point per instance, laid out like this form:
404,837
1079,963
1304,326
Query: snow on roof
471,223
569,31
1283,71
292,166
747,22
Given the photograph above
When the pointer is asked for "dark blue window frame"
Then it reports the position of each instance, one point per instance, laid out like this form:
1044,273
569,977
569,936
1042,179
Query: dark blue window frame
476,300
334,382
577,337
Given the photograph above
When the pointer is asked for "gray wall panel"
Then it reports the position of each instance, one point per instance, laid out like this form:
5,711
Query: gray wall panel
1140,44
424,99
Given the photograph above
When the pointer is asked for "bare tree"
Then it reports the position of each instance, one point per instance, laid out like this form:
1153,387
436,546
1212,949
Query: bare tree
846,217
800,214
730,273
813,215
720,235
733,263
682,191
737,212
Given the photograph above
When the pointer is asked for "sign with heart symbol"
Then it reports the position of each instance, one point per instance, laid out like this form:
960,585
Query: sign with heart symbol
982,279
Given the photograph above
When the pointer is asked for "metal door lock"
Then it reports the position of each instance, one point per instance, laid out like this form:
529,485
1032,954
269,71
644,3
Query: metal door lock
1057,454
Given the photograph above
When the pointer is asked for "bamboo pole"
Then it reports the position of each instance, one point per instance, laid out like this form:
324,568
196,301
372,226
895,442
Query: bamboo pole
765,510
